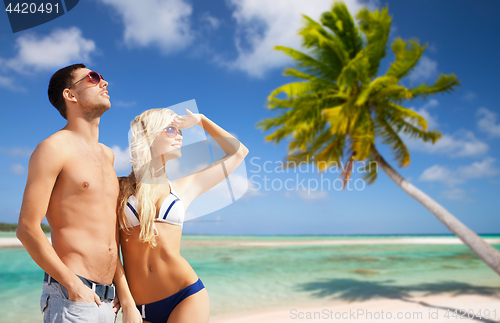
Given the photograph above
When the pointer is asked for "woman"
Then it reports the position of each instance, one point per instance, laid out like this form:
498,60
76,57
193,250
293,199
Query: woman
151,212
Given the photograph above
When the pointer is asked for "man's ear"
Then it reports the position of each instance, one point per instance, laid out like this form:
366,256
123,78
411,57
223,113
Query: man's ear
67,95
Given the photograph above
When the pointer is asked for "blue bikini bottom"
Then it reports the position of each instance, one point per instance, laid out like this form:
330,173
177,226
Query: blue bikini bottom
158,312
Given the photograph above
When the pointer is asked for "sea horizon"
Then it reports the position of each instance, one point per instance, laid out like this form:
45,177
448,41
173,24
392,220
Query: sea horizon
324,235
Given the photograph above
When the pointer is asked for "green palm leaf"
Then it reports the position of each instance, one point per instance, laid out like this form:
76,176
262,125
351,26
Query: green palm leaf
339,106
376,26
406,57
444,84
340,22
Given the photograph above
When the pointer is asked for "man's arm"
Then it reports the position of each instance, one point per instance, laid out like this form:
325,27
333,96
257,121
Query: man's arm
45,164
125,300
130,312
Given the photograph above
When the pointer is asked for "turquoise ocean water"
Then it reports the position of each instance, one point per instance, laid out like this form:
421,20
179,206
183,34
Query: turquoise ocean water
243,279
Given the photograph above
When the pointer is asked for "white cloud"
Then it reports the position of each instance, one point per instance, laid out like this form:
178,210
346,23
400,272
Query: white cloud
457,194
264,24
487,122
462,144
423,111
17,151
442,174
425,69
62,46
211,22
122,159
461,174
469,96
124,104
312,194
486,168
307,195
8,83
5,81
239,185
161,23
18,169
253,190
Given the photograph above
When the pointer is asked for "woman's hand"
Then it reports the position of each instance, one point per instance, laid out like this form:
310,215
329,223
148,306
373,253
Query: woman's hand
184,122
131,315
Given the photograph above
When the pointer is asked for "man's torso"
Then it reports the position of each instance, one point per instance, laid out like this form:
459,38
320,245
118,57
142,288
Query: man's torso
82,211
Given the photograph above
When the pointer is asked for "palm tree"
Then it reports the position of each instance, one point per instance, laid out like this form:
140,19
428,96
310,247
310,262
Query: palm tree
340,105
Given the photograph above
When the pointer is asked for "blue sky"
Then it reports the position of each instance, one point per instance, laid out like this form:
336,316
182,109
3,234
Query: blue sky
219,53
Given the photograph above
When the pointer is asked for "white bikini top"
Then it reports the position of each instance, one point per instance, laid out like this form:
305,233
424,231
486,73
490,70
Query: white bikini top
171,210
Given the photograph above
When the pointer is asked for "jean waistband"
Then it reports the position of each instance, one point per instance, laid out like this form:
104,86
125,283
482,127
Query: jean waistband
106,292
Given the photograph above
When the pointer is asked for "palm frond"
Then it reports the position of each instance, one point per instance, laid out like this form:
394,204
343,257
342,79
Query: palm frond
444,84
363,135
407,56
390,137
331,153
374,86
370,169
294,89
341,23
355,72
315,36
342,119
301,75
409,114
376,26
310,64
411,131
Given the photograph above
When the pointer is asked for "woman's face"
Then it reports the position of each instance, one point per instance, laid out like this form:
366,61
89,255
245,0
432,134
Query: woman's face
168,143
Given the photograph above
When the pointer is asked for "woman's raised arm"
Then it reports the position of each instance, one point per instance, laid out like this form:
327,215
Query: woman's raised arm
194,185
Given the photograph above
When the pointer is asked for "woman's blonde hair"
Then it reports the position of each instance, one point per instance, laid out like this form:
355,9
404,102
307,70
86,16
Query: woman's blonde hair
141,181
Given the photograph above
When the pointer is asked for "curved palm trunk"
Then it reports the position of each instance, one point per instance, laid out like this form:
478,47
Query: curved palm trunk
483,250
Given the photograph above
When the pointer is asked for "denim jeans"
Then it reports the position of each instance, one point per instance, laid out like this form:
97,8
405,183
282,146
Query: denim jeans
56,307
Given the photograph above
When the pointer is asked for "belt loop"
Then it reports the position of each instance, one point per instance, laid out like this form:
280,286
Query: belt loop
93,287
110,290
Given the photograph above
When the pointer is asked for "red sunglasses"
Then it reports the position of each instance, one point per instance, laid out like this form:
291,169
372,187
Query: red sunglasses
173,131
93,76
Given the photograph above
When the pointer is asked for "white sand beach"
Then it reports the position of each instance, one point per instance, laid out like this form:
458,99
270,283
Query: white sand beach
15,243
333,242
431,308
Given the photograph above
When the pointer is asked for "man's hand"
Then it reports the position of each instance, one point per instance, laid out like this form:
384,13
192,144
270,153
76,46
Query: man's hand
83,294
116,304
131,315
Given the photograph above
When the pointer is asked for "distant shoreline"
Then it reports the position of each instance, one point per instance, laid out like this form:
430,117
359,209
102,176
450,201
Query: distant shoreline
13,226
15,243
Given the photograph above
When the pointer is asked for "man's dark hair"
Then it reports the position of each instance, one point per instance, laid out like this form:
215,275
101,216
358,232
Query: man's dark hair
61,80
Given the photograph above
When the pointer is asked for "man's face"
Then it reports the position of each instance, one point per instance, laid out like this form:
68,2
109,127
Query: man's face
92,98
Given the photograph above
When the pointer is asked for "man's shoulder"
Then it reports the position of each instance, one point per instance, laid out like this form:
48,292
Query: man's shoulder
58,142
108,151
52,151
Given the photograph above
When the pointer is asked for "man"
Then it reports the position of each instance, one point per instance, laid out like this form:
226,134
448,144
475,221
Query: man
72,182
